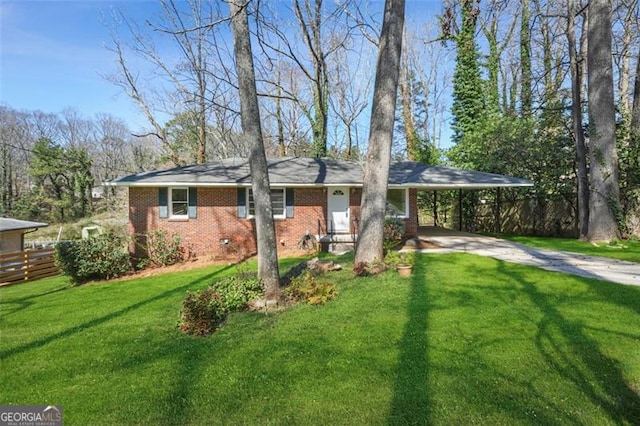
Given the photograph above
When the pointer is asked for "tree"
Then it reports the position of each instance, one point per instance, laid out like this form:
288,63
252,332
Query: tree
468,96
576,121
526,97
320,32
604,202
188,85
250,115
376,172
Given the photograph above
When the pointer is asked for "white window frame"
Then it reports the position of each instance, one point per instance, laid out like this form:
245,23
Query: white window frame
170,203
404,214
251,207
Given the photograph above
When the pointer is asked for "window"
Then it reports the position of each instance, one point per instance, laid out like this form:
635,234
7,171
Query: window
397,203
278,204
179,202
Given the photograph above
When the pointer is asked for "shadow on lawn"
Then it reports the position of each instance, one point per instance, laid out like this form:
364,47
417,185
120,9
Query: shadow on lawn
27,301
97,321
566,347
410,404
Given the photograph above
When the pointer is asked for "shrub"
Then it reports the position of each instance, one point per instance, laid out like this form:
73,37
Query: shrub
202,312
238,290
307,288
394,230
394,258
98,258
164,249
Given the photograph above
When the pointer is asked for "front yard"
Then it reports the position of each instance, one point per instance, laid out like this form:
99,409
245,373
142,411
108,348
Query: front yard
465,340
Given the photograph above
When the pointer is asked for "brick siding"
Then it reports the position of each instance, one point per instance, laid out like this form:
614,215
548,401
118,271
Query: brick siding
218,232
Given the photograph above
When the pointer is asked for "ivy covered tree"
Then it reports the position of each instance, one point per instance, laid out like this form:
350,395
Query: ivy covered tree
468,94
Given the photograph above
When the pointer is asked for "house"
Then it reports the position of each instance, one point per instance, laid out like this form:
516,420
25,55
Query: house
12,233
210,206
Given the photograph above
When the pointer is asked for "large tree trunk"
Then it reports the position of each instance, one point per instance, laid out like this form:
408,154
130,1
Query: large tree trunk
376,173
410,134
250,117
576,121
633,217
635,118
525,59
604,202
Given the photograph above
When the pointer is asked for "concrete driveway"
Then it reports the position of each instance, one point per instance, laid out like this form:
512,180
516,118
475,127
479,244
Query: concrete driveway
617,271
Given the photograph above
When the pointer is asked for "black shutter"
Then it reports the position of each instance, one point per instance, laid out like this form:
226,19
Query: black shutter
289,201
193,203
163,202
242,202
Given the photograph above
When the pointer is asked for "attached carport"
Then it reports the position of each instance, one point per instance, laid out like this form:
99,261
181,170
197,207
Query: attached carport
440,178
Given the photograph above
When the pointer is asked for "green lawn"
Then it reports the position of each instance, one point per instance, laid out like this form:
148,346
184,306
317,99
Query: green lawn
622,250
466,340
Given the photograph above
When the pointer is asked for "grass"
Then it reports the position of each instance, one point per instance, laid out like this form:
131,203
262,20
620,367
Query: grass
464,340
621,250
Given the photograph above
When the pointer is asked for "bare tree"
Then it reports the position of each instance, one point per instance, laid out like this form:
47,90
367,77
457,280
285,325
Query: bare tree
604,202
193,77
310,19
265,231
376,173
349,95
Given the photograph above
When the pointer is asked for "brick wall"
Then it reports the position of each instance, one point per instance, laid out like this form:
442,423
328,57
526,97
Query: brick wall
217,231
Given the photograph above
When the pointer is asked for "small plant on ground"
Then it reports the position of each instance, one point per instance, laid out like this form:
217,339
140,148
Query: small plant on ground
394,230
202,312
309,289
164,249
101,257
238,290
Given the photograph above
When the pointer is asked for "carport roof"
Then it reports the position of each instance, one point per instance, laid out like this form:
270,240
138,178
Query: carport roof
7,224
318,172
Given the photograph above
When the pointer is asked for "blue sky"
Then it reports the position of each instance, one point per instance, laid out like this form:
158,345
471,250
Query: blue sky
53,55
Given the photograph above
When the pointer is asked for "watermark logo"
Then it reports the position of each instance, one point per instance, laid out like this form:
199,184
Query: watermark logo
30,415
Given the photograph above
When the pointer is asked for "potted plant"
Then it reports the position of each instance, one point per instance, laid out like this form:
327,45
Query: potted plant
405,265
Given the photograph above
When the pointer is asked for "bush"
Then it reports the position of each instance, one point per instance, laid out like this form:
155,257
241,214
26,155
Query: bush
307,288
238,290
394,230
202,312
394,258
99,258
164,249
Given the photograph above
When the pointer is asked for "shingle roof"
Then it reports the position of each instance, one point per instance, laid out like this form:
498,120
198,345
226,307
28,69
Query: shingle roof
297,171
7,224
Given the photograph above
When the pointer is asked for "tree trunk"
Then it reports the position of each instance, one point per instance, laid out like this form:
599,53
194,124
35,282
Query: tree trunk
635,118
525,59
604,202
576,121
633,179
250,116
411,138
376,173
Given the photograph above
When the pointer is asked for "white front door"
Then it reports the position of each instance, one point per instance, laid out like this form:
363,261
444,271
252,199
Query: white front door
338,209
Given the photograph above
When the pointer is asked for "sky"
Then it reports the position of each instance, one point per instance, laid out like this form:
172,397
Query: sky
53,55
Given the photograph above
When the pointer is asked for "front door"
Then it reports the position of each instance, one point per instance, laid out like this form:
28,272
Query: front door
338,209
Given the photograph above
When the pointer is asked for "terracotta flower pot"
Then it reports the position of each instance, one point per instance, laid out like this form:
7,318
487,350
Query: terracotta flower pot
404,270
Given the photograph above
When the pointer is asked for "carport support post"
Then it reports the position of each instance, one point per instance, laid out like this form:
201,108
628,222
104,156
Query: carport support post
460,210
435,208
498,211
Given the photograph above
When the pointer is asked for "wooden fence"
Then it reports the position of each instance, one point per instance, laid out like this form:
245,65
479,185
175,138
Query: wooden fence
27,265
